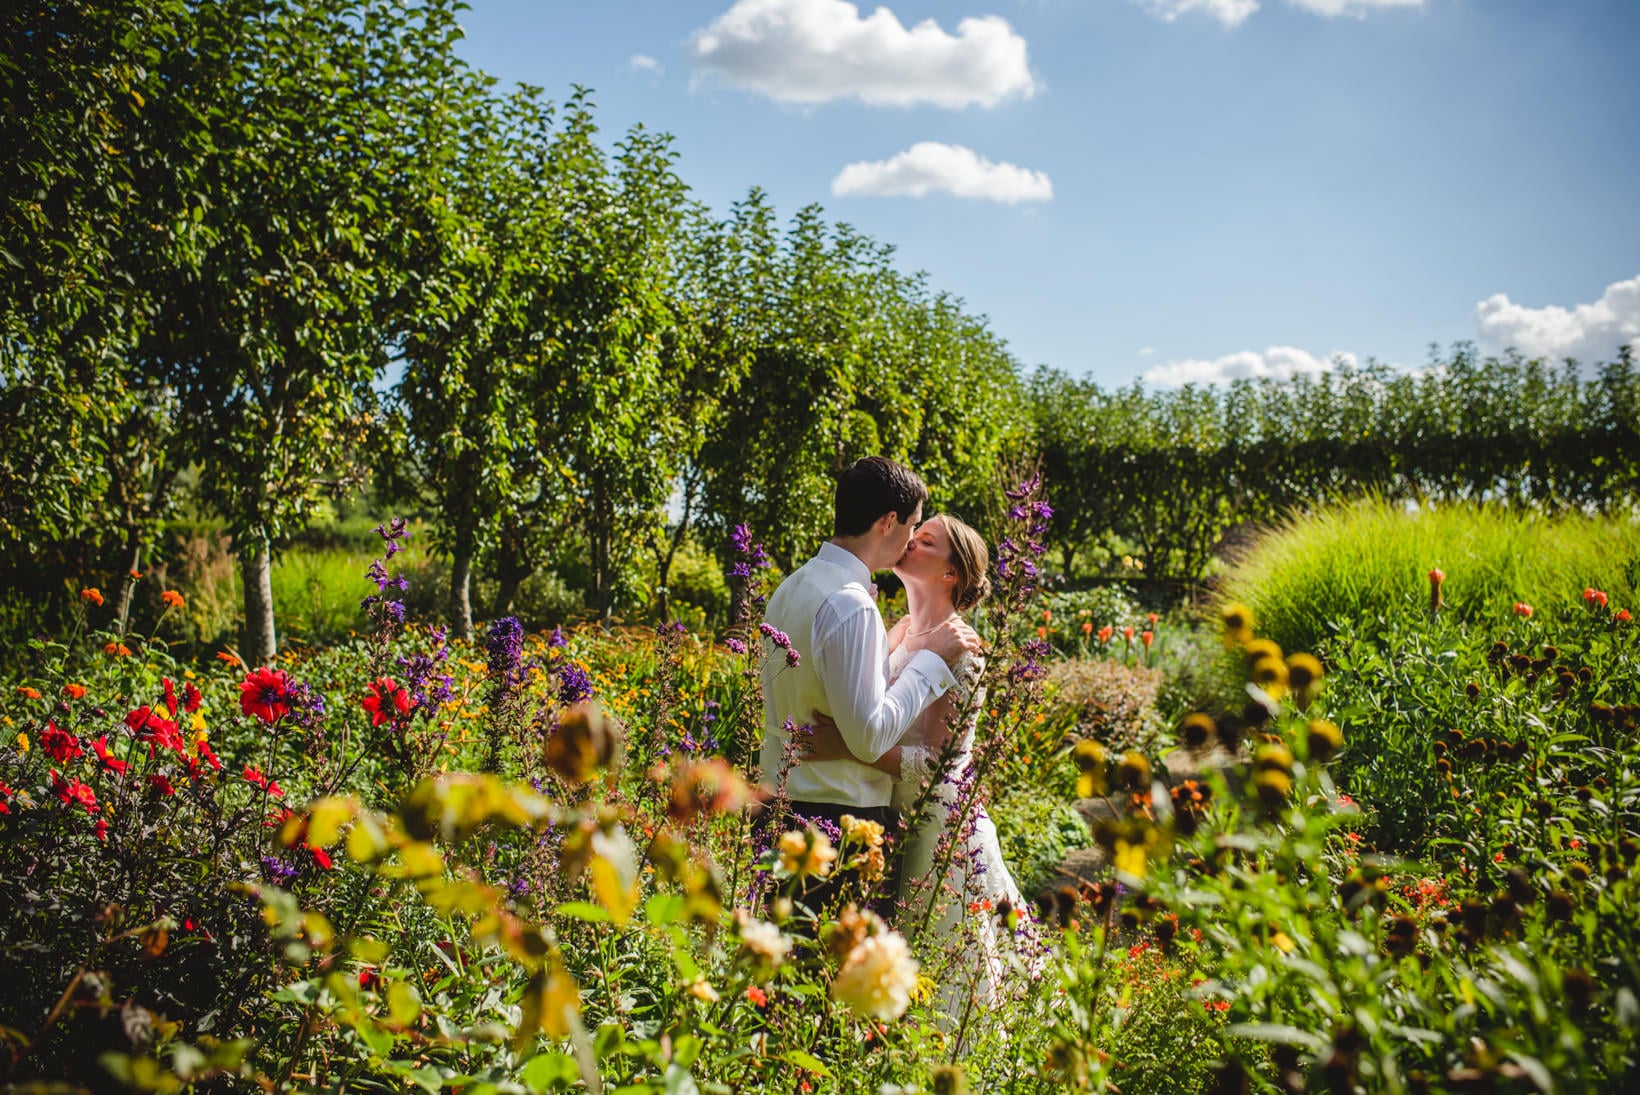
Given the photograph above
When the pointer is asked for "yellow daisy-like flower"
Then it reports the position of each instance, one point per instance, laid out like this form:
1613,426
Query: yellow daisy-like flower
1324,739
1091,760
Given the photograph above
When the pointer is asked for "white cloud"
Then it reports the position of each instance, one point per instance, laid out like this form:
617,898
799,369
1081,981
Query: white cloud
1276,363
814,51
1232,13
1358,9
928,166
1147,351
1229,12
642,62
1588,332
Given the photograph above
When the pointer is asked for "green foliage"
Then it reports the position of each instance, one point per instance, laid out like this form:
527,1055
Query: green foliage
1370,561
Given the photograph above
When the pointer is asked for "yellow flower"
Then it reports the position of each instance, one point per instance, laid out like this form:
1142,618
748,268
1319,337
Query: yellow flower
877,977
22,743
702,990
1237,617
1091,759
1324,739
869,833
1282,942
1269,674
806,852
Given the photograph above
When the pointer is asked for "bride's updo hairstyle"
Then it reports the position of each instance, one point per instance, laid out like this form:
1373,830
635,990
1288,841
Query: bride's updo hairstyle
971,560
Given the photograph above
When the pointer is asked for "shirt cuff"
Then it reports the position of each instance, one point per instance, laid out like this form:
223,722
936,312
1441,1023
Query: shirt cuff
933,670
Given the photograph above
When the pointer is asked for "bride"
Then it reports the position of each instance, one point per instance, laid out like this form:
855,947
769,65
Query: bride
954,883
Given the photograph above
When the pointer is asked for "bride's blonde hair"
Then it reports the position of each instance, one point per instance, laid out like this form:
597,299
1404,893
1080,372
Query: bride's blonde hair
970,559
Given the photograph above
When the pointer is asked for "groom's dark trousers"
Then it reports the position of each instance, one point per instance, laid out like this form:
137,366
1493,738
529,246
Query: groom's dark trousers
843,885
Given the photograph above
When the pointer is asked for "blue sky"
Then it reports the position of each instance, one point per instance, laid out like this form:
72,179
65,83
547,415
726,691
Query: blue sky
1162,189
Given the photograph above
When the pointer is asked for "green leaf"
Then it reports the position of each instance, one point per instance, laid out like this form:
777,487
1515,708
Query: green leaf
547,1069
806,1061
584,910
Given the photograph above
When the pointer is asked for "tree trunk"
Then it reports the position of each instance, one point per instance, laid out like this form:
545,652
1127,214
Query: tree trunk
256,569
599,537
128,584
461,603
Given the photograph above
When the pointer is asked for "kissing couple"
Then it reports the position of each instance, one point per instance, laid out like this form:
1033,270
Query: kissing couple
891,715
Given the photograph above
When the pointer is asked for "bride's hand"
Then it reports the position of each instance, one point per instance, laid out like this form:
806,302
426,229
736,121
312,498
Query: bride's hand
823,741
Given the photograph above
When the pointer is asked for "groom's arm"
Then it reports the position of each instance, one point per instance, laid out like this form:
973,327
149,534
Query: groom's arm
851,658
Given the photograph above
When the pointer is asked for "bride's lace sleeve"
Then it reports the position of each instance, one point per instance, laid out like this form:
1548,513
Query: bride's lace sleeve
969,673
914,764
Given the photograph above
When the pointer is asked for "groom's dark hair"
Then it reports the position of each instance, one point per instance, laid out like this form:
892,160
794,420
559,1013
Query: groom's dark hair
871,487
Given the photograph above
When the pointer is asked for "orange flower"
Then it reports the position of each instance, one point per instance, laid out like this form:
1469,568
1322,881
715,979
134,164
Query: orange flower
28,693
136,575
1147,638
224,656
1042,633
1087,627
172,598
92,595
117,650
1523,609
74,691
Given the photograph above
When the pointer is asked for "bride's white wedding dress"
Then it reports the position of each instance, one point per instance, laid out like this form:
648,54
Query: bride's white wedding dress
965,946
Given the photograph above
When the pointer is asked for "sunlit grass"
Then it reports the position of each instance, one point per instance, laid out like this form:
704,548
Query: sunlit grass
1365,561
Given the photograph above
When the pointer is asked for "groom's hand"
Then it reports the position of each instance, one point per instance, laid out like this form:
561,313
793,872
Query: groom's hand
953,640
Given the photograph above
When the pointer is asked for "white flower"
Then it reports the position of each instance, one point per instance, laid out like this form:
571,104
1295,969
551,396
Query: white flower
763,940
877,978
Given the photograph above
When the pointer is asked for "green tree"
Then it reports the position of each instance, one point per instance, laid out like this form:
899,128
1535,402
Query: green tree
467,328
273,331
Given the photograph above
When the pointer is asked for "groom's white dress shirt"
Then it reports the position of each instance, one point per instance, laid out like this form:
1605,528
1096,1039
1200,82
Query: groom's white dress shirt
828,612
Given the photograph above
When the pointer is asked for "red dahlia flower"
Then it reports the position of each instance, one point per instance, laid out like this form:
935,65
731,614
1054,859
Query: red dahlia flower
60,744
257,779
161,782
207,754
105,759
265,694
72,791
170,696
157,730
386,701
190,697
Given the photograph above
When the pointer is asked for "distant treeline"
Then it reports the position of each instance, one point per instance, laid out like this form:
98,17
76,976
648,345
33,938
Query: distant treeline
1169,472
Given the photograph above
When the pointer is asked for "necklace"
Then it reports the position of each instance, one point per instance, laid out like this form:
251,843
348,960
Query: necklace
926,630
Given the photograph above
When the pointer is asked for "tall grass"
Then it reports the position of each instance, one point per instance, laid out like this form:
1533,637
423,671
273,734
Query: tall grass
1369,560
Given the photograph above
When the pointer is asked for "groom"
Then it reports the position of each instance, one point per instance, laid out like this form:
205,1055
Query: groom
827,608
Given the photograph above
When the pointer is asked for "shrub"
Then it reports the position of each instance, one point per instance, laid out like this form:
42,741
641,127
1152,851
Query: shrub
1110,701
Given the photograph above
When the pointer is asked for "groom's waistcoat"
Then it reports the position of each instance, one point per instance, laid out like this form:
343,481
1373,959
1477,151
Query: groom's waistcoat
795,692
